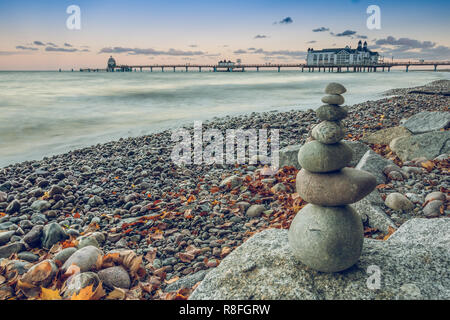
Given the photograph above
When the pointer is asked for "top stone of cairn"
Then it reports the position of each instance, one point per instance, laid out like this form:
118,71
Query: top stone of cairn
335,88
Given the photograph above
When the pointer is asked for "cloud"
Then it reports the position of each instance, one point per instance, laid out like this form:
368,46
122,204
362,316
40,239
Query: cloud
321,29
26,48
287,20
346,33
38,43
67,45
150,51
407,48
251,49
240,51
193,46
51,44
260,36
312,41
361,36
405,42
288,53
53,49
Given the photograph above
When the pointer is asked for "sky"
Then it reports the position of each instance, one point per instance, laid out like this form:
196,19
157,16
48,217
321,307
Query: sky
34,34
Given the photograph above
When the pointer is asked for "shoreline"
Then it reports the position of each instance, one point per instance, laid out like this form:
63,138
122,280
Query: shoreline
182,221
220,121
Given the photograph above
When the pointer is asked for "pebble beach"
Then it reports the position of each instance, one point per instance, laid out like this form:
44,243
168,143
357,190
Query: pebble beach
128,223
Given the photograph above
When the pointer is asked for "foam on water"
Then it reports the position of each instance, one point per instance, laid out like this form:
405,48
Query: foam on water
46,113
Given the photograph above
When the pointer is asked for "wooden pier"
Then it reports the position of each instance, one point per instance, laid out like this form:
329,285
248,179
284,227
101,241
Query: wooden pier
268,66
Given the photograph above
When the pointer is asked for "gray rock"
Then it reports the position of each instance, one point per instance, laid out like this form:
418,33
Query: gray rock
51,234
85,241
333,99
264,268
79,281
371,209
54,190
437,195
317,157
115,277
9,249
427,121
288,156
397,201
86,258
328,132
64,254
335,88
28,256
428,145
33,237
233,181
13,207
5,236
331,112
95,201
327,239
432,209
255,210
187,281
375,164
334,188
359,149
3,196
40,205
385,136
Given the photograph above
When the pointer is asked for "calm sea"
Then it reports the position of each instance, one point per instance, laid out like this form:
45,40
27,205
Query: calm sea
46,113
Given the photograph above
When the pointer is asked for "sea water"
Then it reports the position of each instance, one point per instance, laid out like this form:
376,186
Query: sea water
47,113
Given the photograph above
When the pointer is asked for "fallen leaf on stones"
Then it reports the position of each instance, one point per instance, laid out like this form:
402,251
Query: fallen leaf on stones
48,294
116,294
428,165
84,294
172,280
151,255
186,257
2,279
99,292
390,232
71,270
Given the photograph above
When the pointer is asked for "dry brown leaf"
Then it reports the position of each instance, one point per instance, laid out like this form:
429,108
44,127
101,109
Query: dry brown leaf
73,269
48,294
390,232
428,165
116,294
172,280
99,292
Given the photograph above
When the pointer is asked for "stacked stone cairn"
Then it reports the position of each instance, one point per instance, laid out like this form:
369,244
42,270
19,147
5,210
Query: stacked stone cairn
327,234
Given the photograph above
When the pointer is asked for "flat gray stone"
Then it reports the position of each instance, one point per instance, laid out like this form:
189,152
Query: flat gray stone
413,264
358,148
187,281
9,249
333,99
427,121
375,164
288,156
428,145
335,88
385,136
318,157
328,132
331,112
86,258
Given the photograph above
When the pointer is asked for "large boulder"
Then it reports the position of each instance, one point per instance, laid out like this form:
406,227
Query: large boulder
428,145
359,149
412,264
427,121
385,136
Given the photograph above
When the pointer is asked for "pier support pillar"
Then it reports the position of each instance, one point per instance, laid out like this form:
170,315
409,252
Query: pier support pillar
214,69
279,69
435,67
186,69
257,69
407,67
200,69
173,69
162,69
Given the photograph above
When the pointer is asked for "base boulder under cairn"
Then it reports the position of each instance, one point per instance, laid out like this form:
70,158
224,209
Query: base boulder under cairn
414,264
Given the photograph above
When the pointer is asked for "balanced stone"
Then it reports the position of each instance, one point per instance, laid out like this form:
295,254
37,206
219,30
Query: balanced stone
331,112
333,99
318,157
334,188
335,88
328,132
327,239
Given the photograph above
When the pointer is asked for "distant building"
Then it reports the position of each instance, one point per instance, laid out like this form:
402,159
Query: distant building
225,63
111,64
342,56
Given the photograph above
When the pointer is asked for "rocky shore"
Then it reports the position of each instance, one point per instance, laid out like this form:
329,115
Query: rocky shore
121,221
